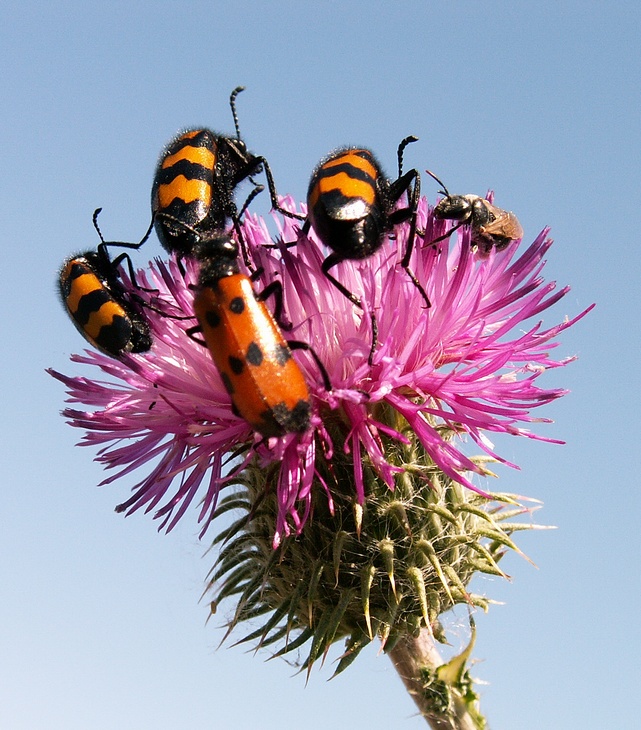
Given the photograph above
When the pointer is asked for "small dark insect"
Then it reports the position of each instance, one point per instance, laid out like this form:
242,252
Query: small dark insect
492,227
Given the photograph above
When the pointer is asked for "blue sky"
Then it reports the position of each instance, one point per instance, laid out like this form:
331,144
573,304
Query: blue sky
101,621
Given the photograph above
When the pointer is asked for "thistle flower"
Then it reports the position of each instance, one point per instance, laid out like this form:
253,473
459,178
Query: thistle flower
374,520
448,368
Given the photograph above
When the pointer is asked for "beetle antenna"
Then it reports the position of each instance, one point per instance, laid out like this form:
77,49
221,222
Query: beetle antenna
401,150
232,104
96,213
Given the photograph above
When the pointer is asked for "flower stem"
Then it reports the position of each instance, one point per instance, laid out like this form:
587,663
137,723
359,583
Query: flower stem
442,692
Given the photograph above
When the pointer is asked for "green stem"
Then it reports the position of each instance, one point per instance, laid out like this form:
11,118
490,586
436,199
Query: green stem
441,702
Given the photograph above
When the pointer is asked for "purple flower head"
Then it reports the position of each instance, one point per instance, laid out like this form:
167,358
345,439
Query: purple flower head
468,365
